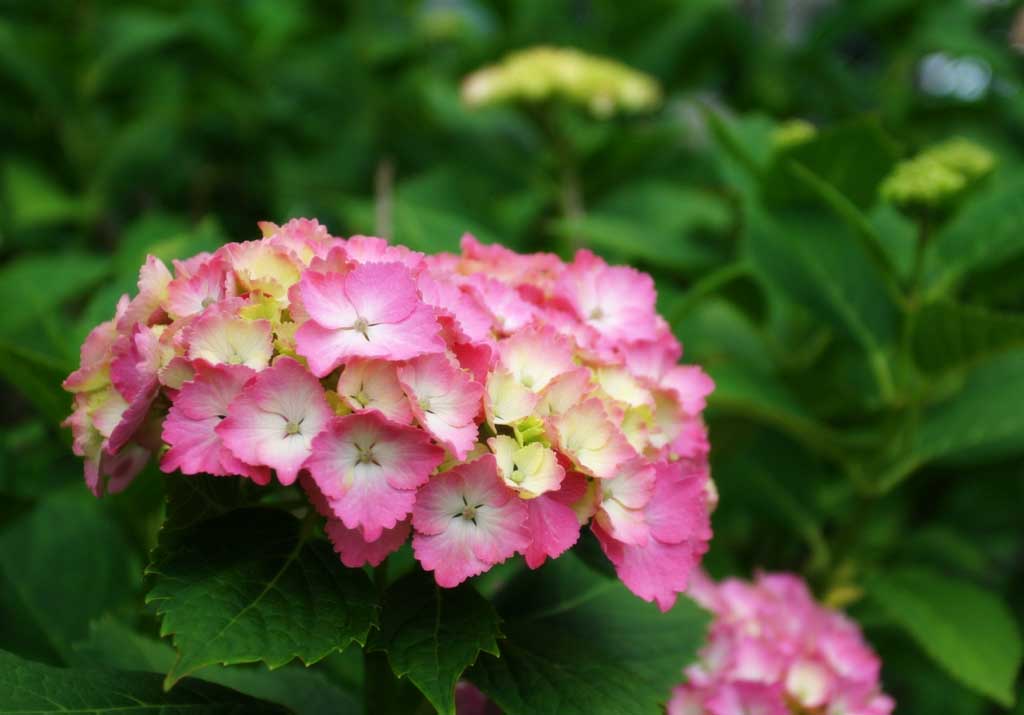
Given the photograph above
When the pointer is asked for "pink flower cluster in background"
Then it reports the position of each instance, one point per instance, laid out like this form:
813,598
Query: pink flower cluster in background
487,404
773,650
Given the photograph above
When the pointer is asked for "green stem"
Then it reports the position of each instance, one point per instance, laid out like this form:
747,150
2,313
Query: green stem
380,577
381,689
570,190
384,198
570,186
706,286
917,271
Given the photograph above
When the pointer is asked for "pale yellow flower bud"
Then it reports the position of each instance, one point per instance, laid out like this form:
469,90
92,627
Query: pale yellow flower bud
603,86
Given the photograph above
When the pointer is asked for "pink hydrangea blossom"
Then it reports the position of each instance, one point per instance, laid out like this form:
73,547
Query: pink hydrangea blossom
678,527
553,523
356,551
275,418
190,430
616,301
466,520
588,436
191,294
445,400
368,468
373,384
540,395
771,645
353,316
221,335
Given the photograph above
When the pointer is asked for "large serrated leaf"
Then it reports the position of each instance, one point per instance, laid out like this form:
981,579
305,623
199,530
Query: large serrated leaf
983,422
40,283
818,265
580,644
38,378
32,688
631,239
852,157
967,630
431,635
305,691
950,335
253,585
986,233
65,562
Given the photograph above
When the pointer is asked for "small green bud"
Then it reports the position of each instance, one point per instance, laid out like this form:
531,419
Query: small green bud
793,133
530,430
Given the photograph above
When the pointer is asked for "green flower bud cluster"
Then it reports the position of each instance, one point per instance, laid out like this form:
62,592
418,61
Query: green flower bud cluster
793,133
601,85
938,176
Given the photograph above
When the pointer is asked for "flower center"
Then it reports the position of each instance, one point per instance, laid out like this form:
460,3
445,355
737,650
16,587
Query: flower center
366,455
362,327
596,314
425,404
468,511
293,428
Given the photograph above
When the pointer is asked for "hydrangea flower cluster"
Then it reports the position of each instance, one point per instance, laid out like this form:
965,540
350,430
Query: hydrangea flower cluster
773,650
938,176
487,403
601,85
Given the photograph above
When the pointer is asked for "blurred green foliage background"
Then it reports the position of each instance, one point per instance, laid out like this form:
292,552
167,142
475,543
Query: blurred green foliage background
868,427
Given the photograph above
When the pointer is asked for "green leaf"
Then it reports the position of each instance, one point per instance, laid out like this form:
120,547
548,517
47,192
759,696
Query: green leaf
678,306
982,422
166,237
580,644
194,499
28,687
127,37
656,221
635,240
849,213
19,66
304,691
819,268
254,585
986,233
39,284
827,272
852,158
431,635
746,140
66,545
772,481
715,331
425,228
38,379
35,200
428,212
967,630
21,630
950,335
764,398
